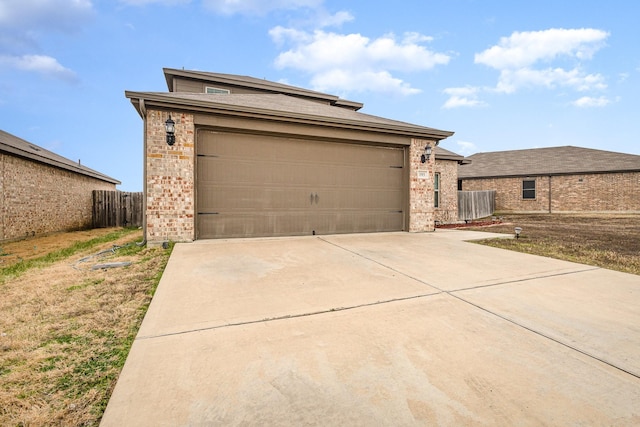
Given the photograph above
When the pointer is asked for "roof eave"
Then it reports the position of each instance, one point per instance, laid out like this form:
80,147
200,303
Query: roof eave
57,164
460,159
164,102
549,174
267,85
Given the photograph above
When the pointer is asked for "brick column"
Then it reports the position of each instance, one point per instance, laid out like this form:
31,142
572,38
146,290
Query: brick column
421,209
170,179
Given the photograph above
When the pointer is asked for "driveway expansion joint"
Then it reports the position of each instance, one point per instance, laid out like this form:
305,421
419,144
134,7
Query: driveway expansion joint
526,279
288,316
380,264
546,336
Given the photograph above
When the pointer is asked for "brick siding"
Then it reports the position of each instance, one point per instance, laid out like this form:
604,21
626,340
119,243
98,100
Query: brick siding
170,179
421,210
38,199
447,210
609,192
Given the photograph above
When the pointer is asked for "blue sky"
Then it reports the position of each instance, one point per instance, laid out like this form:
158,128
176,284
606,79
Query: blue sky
501,74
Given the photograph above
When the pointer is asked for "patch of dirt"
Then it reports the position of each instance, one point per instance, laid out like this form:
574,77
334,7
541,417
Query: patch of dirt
605,240
34,247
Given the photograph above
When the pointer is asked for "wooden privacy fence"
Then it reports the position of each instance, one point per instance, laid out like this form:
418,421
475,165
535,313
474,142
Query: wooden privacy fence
117,209
476,204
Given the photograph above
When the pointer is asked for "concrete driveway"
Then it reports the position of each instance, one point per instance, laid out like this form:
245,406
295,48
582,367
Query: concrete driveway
382,329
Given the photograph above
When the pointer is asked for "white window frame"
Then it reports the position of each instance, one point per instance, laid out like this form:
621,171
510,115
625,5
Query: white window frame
211,90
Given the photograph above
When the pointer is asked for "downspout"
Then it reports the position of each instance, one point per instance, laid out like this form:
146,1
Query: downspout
4,199
143,113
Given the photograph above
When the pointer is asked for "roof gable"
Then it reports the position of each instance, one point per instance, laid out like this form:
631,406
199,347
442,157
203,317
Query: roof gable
19,147
260,85
547,161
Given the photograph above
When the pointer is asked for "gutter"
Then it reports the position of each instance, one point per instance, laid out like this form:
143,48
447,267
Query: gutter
197,105
143,114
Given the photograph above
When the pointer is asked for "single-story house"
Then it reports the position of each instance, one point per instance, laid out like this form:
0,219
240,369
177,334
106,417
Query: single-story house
556,179
42,192
236,156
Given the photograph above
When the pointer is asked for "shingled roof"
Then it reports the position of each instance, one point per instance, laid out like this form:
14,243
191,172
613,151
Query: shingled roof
19,147
282,107
444,154
566,160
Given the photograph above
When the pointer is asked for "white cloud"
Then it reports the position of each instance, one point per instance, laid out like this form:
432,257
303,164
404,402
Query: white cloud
257,7
24,22
588,101
518,58
41,64
335,20
372,81
353,62
523,49
512,80
466,148
463,97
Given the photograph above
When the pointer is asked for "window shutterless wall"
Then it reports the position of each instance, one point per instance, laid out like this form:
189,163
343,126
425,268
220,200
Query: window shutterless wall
605,192
436,190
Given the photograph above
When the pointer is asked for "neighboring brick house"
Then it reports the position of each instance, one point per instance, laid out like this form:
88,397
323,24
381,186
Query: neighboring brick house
42,192
556,179
258,158
446,185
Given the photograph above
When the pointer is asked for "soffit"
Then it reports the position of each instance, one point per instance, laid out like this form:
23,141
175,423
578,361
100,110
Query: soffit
280,107
444,154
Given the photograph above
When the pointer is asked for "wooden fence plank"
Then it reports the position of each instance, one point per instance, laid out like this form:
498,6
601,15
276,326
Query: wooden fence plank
476,204
117,209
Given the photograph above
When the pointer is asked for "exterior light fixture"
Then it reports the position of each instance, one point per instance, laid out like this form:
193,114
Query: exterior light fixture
518,231
427,154
170,127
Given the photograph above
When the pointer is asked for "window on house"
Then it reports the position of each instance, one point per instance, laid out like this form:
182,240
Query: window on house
210,89
436,190
529,189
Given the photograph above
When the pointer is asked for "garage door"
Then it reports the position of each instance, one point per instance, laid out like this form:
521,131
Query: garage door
250,186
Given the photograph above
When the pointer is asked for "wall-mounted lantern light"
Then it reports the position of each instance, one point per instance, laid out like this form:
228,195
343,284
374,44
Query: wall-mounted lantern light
427,154
170,127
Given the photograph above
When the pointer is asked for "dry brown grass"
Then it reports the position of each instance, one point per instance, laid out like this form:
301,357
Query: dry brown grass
608,241
65,331
30,248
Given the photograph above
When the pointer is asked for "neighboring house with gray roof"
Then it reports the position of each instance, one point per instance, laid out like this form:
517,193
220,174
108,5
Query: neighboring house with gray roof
556,179
42,192
258,158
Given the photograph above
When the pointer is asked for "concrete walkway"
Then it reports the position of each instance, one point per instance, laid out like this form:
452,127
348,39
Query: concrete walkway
391,329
